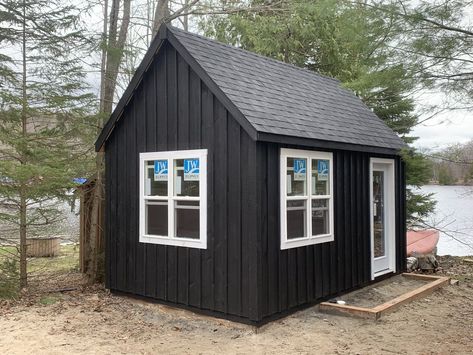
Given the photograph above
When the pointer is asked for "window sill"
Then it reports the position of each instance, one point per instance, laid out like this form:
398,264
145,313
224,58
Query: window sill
181,242
300,242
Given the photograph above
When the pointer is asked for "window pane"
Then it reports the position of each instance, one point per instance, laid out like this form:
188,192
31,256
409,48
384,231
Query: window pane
186,177
378,214
156,178
157,218
320,177
320,217
296,176
187,219
296,219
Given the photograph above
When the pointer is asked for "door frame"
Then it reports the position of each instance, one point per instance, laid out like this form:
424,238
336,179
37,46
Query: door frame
390,215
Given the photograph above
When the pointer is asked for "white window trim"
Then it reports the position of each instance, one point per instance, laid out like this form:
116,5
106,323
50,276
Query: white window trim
170,239
309,240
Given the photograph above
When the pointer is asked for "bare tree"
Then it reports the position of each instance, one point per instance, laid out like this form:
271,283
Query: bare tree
115,45
161,15
115,31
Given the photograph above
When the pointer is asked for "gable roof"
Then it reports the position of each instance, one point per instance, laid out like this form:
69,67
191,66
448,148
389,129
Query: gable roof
272,100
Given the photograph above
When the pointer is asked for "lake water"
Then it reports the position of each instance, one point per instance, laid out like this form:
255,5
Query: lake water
454,217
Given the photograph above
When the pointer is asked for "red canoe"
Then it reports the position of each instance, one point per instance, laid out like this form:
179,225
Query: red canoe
422,241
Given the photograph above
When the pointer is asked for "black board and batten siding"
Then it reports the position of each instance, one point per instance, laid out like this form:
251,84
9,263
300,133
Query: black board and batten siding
299,276
173,110
243,274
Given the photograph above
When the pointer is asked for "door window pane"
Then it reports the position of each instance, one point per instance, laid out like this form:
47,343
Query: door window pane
378,213
156,183
187,219
157,218
186,177
296,176
320,177
296,219
320,217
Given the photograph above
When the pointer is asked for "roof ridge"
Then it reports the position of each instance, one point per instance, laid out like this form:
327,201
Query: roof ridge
267,97
281,98
293,66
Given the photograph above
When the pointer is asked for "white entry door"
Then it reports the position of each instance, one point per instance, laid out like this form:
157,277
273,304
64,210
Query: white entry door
383,228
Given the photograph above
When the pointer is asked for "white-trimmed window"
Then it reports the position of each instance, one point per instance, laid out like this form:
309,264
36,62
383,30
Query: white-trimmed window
306,197
173,198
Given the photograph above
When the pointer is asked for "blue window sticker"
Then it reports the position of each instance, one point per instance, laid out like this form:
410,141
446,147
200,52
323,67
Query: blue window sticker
299,169
191,169
322,170
160,170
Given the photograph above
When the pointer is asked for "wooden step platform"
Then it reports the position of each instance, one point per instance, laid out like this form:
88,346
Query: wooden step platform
375,313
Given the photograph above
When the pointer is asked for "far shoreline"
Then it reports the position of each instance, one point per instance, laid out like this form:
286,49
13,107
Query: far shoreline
462,184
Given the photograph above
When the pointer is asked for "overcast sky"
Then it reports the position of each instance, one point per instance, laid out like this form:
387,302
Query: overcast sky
449,127
444,129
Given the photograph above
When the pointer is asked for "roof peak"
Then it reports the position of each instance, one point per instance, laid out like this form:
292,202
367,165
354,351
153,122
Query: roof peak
260,56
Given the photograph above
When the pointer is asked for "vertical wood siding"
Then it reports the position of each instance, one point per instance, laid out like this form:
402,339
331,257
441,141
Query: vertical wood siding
242,273
173,110
304,275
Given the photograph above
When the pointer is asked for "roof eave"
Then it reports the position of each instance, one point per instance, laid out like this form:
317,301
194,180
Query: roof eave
322,144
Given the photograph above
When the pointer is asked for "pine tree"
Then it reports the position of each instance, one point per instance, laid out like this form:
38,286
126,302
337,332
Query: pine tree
45,127
418,172
437,40
348,40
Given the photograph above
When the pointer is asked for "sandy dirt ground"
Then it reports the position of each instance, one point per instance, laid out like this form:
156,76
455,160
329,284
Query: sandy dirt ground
92,321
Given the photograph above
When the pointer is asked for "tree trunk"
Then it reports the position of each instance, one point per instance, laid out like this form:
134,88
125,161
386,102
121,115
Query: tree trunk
185,20
160,15
104,59
24,106
112,57
115,49
23,245
95,247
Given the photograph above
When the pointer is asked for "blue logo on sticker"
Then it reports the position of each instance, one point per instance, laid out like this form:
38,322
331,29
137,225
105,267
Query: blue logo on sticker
322,166
160,167
191,166
299,166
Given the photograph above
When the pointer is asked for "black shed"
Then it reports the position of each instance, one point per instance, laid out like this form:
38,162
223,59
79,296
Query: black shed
245,187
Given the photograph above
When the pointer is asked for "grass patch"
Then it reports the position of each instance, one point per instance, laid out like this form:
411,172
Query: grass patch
8,290
49,300
5,249
66,261
8,278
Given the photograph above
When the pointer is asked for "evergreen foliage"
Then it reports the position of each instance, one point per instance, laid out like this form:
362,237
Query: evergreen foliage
46,125
350,41
438,40
418,173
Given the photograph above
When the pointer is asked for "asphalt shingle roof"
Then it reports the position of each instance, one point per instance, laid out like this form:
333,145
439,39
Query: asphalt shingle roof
282,99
